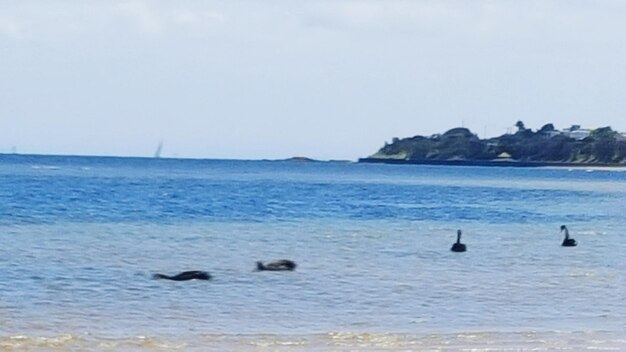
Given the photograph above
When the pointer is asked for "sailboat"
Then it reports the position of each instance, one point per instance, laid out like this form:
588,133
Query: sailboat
157,154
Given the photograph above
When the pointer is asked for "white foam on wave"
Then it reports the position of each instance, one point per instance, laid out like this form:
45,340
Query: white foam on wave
480,341
45,167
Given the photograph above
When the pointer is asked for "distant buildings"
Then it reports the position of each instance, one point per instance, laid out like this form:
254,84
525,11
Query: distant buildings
552,133
576,132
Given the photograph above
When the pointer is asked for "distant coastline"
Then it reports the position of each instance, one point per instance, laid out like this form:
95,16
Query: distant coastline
546,147
295,159
503,163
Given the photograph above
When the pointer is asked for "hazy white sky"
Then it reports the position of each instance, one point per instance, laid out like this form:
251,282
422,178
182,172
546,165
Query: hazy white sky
326,79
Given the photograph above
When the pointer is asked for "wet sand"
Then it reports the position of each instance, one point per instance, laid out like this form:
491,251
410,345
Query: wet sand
344,341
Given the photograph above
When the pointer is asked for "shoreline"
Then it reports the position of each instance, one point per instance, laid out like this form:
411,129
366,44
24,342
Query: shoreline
494,163
330,341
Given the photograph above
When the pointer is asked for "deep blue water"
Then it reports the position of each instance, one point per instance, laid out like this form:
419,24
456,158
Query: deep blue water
46,190
82,235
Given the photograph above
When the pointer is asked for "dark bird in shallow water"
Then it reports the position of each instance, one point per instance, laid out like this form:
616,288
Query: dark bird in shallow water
567,242
279,265
185,275
458,246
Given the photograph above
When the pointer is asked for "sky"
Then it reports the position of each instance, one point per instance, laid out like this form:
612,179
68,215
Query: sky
326,79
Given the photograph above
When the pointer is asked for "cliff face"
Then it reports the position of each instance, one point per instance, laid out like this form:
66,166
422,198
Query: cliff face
603,145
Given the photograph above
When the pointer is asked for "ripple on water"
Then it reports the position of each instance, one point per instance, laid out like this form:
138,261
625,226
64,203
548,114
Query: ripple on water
371,242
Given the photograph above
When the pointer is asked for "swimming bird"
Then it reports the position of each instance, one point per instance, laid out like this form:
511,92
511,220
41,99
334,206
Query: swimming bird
279,265
567,242
185,275
458,246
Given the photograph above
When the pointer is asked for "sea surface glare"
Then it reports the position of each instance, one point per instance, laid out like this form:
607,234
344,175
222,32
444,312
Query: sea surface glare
82,236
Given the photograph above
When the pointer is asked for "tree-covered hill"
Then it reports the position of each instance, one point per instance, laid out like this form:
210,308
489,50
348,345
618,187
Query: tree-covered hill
600,146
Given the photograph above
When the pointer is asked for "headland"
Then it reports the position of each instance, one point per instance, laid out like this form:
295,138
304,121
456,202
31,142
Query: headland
570,147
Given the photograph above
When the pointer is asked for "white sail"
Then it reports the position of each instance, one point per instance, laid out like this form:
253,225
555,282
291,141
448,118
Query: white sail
157,154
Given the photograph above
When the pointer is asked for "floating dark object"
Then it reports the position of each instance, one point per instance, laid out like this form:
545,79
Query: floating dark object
185,275
567,242
279,265
458,246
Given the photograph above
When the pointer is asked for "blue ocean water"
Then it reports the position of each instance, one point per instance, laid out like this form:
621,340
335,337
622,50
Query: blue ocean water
81,237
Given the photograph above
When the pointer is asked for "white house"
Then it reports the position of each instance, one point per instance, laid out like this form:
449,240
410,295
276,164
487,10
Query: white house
576,132
552,133
580,134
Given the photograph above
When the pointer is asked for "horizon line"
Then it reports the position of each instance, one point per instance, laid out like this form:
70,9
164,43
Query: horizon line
292,158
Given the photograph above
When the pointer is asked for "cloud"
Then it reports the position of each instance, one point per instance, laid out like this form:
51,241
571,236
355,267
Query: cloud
533,19
147,19
10,29
245,66
42,20
157,19
196,18
364,14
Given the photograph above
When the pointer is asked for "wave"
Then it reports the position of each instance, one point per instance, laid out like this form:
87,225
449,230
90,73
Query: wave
45,167
332,341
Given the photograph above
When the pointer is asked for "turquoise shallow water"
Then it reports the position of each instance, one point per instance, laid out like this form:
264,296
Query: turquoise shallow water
83,235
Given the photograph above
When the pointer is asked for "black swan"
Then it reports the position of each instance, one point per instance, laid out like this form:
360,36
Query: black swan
279,265
185,275
567,242
458,246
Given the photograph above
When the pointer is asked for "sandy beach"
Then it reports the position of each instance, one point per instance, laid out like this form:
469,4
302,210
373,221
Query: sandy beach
346,341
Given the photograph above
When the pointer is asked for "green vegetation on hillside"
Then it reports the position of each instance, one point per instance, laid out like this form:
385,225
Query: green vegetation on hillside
601,146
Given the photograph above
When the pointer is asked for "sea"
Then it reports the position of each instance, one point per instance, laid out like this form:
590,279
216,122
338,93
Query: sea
81,238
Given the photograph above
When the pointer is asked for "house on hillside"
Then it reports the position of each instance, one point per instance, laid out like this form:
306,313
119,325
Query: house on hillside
504,156
552,133
576,132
